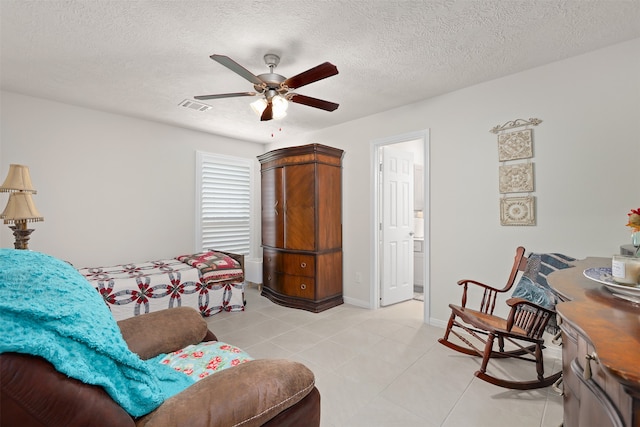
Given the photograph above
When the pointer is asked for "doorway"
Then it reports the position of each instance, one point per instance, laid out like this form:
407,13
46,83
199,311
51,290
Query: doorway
388,255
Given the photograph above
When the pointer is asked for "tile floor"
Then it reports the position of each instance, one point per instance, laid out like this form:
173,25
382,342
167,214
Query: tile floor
385,367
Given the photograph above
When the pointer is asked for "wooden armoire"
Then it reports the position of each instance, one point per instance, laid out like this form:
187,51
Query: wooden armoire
302,226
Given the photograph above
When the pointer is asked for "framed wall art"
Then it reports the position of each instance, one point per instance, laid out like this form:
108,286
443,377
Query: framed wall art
516,178
515,145
515,173
517,211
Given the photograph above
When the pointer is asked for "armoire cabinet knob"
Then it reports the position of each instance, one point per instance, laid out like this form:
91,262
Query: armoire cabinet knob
303,264
303,286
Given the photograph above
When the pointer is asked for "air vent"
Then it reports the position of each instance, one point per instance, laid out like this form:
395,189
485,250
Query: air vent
195,105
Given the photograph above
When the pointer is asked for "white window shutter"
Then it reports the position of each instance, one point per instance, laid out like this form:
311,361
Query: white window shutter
223,203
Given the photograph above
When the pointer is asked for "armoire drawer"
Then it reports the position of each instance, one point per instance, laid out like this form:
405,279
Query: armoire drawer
299,286
269,277
299,264
272,260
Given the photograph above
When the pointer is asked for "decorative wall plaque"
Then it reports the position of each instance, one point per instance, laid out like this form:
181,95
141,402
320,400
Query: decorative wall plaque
517,123
517,211
516,178
515,145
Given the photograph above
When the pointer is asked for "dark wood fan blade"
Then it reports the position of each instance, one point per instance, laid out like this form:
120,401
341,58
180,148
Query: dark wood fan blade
314,74
313,102
237,68
224,95
267,114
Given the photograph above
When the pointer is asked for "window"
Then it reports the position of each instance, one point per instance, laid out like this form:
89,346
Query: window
223,203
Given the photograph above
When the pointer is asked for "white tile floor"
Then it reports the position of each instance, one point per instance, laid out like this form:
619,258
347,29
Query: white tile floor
385,367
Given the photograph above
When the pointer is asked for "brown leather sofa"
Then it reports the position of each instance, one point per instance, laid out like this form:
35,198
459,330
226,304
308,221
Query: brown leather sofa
265,392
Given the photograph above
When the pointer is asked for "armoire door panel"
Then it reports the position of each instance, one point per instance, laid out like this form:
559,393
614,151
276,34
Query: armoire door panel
330,210
300,214
272,208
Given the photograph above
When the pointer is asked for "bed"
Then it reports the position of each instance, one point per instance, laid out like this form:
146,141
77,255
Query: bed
209,281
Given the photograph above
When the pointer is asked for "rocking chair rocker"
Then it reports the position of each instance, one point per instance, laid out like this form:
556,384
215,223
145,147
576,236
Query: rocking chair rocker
523,328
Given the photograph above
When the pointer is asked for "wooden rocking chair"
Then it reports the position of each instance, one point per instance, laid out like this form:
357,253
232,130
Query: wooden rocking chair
523,328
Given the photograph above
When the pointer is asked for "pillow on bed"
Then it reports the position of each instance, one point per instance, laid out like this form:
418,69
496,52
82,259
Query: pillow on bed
209,260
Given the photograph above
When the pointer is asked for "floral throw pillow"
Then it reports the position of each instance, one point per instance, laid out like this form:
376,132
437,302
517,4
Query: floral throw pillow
201,360
209,260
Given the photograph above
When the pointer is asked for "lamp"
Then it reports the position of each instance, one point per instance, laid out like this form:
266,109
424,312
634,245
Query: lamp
18,179
279,103
20,208
258,106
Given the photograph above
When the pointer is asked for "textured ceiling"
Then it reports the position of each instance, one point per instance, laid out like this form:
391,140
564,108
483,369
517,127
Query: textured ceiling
142,58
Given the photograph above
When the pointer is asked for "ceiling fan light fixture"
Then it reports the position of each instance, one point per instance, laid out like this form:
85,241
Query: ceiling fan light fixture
279,104
274,88
259,105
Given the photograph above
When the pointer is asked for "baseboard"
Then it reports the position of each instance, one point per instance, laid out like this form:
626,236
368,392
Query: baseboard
437,322
356,302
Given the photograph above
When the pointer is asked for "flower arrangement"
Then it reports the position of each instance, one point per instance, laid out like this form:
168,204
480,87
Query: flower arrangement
634,220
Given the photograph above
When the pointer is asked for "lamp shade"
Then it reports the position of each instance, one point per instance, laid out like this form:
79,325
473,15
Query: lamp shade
280,105
18,179
259,105
20,208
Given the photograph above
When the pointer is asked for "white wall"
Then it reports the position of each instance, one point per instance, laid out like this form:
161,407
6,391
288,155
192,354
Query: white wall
112,189
586,154
135,179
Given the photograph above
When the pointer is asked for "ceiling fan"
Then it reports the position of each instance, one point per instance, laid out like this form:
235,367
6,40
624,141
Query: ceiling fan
276,88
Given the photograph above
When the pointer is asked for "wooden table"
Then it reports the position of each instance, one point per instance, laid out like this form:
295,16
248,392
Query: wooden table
601,333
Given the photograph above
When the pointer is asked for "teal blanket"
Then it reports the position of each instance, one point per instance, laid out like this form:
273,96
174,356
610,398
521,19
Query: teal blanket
48,309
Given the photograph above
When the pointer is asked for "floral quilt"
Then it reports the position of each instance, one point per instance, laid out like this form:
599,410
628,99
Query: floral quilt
133,289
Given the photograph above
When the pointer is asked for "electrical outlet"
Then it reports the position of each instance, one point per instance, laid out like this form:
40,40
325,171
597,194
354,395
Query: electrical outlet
358,277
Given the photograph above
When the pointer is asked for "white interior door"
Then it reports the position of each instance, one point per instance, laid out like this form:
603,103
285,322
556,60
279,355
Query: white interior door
396,263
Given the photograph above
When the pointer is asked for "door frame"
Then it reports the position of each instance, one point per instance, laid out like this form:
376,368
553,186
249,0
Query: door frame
375,215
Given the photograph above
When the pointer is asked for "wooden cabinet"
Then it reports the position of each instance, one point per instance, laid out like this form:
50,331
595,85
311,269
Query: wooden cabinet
302,226
600,351
591,397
